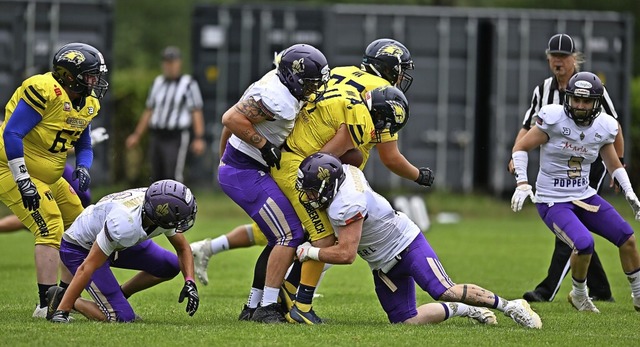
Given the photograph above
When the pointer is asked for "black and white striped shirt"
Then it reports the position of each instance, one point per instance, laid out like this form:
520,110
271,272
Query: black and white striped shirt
172,102
548,93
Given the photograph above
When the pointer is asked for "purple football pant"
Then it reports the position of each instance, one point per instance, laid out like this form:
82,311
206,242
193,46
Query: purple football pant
253,189
418,264
572,223
85,197
105,290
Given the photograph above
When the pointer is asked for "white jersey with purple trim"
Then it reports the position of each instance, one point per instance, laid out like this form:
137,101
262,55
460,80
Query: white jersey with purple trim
385,231
565,160
114,222
275,97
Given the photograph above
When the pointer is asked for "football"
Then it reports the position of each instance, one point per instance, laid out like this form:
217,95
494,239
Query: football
352,157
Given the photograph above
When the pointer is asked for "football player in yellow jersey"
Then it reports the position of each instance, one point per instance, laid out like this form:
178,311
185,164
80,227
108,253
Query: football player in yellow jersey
385,62
46,116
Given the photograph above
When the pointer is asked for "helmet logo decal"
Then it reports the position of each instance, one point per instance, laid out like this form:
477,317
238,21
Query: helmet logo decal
390,50
298,66
583,84
162,210
323,174
398,111
73,56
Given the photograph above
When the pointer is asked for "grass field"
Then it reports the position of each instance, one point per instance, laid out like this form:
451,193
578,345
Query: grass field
491,246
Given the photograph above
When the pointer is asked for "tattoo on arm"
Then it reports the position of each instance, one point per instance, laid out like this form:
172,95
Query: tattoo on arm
255,111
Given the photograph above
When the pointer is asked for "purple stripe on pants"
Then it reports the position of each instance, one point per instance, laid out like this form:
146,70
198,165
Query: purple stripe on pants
576,223
419,264
105,289
253,189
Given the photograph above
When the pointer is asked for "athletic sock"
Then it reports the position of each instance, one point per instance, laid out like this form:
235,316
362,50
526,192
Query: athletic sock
42,293
254,297
64,285
293,274
579,286
499,303
304,297
217,245
455,309
269,296
634,282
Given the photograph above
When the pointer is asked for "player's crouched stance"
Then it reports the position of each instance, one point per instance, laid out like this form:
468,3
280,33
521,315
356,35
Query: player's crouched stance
570,138
117,232
397,252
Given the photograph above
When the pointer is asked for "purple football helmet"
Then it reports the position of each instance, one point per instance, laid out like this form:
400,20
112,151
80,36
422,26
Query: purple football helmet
170,204
319,177
303,69
588,86
390,60
81,68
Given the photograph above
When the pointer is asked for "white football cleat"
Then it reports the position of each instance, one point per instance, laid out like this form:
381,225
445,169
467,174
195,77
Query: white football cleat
582,302
636,302
40,312
521,313
201,259
482,315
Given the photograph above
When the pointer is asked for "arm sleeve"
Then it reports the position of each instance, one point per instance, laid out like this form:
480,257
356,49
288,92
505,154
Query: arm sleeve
23,119
84,152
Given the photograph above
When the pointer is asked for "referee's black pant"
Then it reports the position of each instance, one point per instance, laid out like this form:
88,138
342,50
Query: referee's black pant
596,277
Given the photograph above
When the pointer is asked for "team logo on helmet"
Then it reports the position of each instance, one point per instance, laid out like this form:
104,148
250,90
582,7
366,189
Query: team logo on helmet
399,112
323,174
583,84
298,66
390,50
162,210
73,56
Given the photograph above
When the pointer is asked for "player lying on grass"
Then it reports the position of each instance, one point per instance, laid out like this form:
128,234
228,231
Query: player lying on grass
397,252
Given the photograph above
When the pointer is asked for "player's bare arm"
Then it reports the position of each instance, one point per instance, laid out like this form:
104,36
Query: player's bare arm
185,257
345,251
610,157
532,139
240,119
396,162
340,143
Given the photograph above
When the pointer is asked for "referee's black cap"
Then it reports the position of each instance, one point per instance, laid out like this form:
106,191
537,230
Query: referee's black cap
171,53
561,44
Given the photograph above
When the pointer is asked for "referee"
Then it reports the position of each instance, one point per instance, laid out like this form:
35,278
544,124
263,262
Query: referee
564,61
173,107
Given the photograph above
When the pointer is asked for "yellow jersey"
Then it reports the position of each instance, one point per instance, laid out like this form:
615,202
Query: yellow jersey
363,82
46,145
319,121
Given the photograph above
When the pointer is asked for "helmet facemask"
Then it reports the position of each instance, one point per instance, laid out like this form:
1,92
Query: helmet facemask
582,116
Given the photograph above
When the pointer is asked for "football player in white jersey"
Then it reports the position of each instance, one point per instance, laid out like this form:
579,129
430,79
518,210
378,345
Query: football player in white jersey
570,137
256,128
397,252
117,232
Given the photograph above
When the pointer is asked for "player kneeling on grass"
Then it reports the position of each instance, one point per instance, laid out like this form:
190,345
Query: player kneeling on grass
117,232
397,252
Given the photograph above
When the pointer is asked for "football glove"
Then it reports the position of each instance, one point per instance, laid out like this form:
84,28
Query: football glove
82,173
302,252
190,291
60,317
632,199
425,178
271,155
520,195
98,135
29,192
